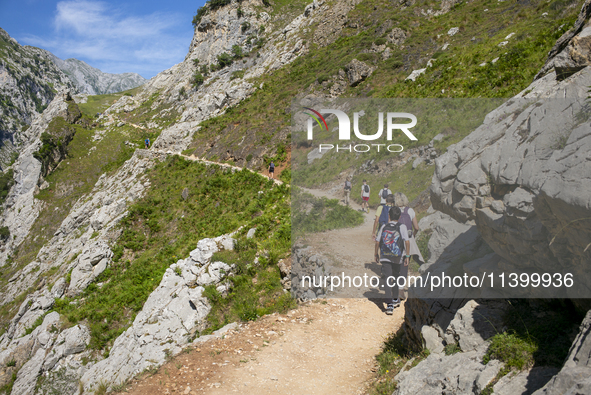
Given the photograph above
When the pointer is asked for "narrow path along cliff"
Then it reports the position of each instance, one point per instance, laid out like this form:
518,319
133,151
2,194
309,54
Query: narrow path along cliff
323,347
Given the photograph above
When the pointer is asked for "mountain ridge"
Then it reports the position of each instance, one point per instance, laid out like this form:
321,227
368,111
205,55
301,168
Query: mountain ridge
93,81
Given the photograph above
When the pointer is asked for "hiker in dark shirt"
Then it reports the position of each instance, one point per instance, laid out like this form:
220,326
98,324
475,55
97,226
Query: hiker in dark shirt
347,190
271,170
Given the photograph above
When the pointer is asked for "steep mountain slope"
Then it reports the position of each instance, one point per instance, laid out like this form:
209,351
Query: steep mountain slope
29,80
118,257
92,81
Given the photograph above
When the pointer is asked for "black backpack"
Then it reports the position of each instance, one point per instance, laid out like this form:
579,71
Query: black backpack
385,193
366,188
391,242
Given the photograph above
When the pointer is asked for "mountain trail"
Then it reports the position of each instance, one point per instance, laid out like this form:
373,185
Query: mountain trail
326,346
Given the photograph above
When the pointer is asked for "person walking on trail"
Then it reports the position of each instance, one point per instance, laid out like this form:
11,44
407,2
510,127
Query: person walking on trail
408,218
147,143
382,217
347,190
390,250
384,193
271,170
365,189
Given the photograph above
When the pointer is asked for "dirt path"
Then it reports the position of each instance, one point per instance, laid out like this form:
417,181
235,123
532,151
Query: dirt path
323,347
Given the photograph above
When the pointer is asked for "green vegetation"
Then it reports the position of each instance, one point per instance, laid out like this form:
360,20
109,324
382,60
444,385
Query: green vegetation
7,388
198,79
6,182
54,147
98,103
456,71
396,352
539,333
423,243
86,160
516,352
255,290
162,227
225,60
310,214
452,348
237,74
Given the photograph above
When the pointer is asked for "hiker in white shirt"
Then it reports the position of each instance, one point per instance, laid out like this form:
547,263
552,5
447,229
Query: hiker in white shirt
365,190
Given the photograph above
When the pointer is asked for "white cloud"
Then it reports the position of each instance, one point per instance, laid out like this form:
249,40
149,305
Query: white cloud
114,41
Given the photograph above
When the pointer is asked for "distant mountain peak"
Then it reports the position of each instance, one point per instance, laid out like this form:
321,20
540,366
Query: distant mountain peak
93,81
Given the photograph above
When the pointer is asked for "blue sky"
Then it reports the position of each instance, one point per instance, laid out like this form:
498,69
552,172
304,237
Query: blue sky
144,37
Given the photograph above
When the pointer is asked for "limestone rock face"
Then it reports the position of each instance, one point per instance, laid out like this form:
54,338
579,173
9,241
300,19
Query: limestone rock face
92,262
524,172
461,373
21,207
170,317
20,84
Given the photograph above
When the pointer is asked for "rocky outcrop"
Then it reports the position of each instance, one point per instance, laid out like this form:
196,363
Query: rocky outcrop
523,172
461,373
307,272
518,184
334,20
92,81
572,51
357,71
170,318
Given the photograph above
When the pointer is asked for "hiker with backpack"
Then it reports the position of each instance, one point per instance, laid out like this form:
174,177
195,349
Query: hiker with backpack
382,217
347,190
384,193
271,171
409,219
365,189
147,143
390,250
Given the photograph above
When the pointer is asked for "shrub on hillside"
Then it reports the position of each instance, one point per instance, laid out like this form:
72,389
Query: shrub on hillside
225,60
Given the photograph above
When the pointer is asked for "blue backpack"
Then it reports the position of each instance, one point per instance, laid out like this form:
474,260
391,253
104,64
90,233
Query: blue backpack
384,219
391,242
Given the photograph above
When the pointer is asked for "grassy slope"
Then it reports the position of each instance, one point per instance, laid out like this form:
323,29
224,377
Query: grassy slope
162,228
456,72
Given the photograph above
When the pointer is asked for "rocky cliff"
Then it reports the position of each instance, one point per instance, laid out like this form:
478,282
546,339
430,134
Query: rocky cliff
518,186
91,81
29,80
